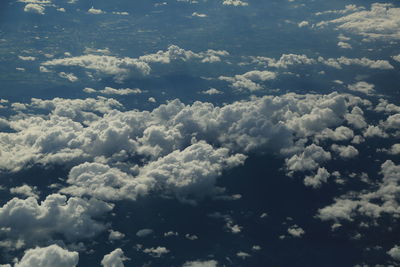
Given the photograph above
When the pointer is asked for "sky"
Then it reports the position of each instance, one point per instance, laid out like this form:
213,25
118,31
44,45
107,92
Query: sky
199,133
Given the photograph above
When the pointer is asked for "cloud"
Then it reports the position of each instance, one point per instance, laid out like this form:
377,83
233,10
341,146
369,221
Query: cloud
123,68
382,21
95,11
126,91
25,190
115,258
363,87
394,252
120,68
302,24
69,76
381,199
212,91
234,3
48,257
344,45
115,235
144,232
309,159
318,179
175,53
56,215
248,80
296,231
199,263
156,252
34,8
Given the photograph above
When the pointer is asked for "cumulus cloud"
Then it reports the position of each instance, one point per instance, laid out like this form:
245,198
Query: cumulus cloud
309,159
72,218
249,80
25,190
345,152
95,11
174,53
200,140
318,179
394,252
382,21
289,60
34,8
363,87
296,231
156,252
115,258
120,68
380,200
48,257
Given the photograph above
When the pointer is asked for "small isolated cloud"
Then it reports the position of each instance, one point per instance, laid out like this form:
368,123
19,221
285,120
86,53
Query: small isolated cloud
234,3
115,235
48,257
27,58
95,11
69,76
126,91
200,263
115,258
199,15
363,87
296,231
212,91
302,24
34,8
144,232
243,255
156,252
250,80
344,45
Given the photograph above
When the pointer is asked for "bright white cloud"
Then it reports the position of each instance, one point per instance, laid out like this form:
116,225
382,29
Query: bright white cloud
48,257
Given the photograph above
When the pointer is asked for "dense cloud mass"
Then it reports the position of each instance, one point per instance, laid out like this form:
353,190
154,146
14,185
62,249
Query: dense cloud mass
199,133
73,218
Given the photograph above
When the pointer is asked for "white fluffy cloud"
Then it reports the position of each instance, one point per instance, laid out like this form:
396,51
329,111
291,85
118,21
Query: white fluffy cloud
363,87
378,201
318,179
382,21
191,172
48,257
115,258
394,252
72,218
249,80
120,68
234,3
34,8
156,252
